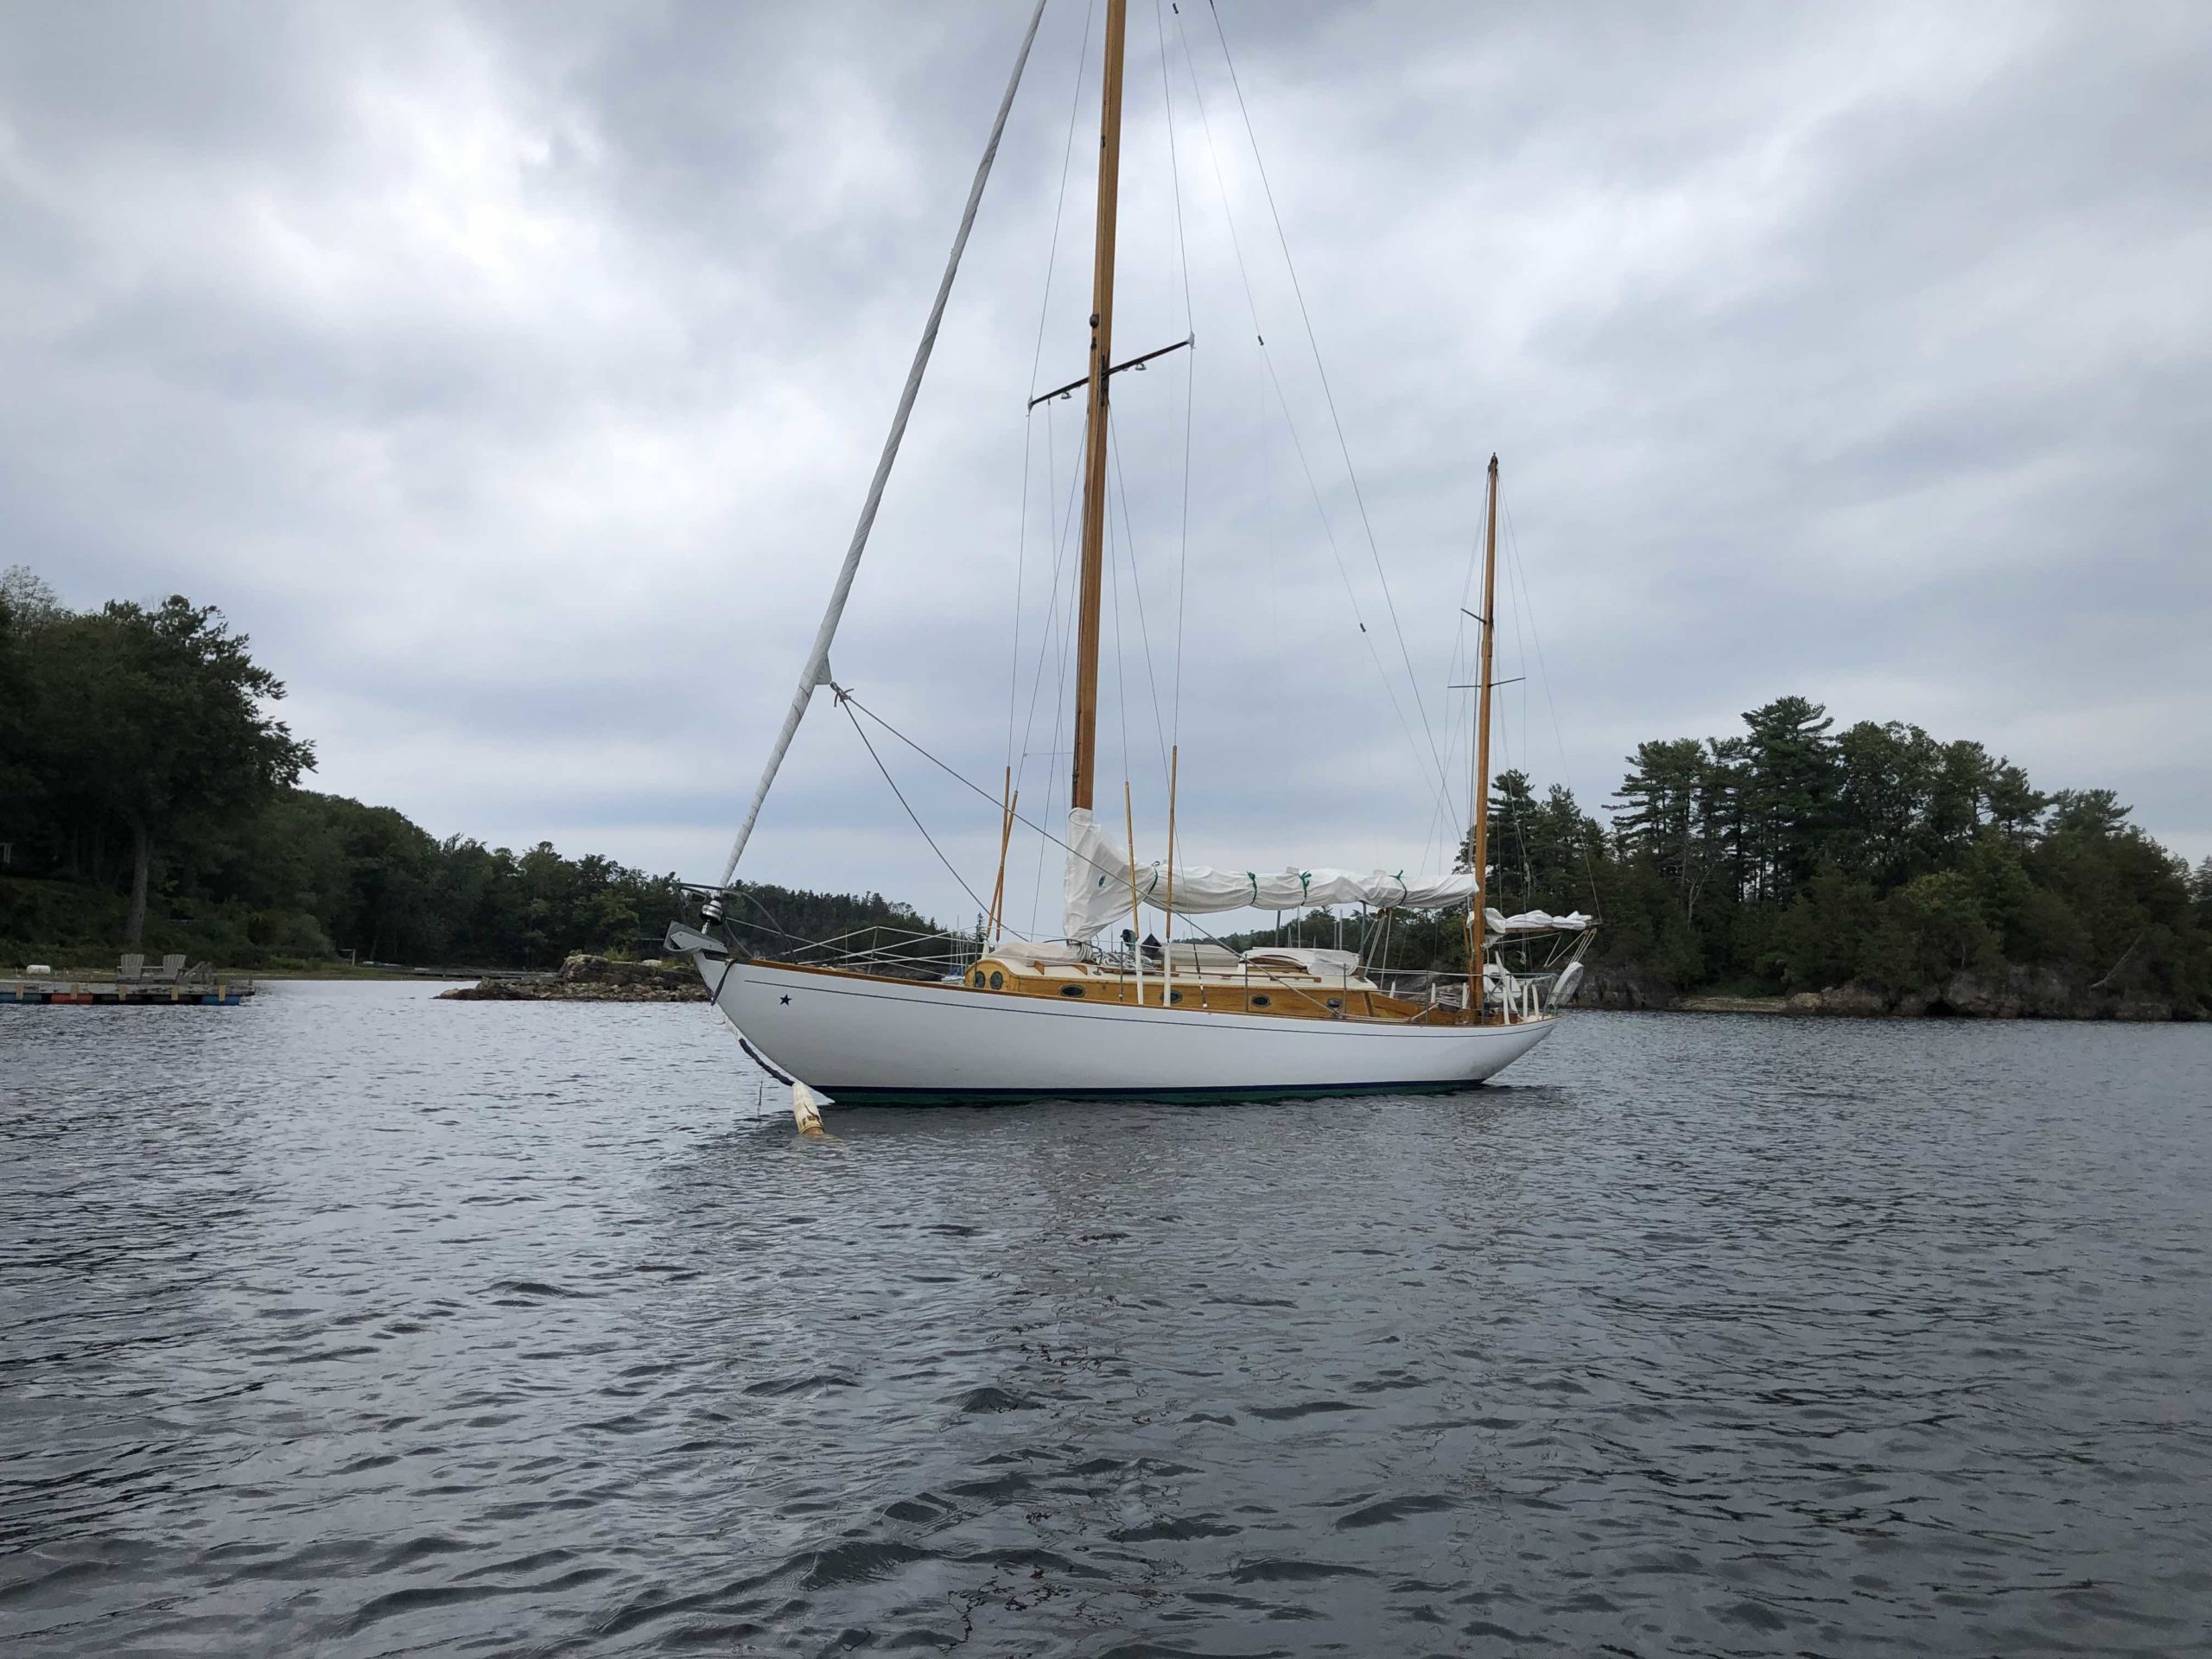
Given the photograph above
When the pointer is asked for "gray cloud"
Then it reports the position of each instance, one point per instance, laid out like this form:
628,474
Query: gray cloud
512,374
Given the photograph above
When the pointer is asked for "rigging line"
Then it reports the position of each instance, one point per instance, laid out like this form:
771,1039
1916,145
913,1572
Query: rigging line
1059,718
1298,447
1459,643
1052,626
1067,162
1183,552
1516,581
1036,361
1520,651
980,906
1442,827
1114,605
851,702
1174,169
1524,619
814,673
1055,627
1052,612
781,932
998,804
1315,345
1021,570
1551,704
1190,372
1144,631
1519,826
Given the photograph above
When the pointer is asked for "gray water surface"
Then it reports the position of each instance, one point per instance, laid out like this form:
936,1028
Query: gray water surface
355,1323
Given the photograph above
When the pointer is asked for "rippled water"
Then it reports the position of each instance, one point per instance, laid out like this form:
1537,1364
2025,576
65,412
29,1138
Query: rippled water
358,1323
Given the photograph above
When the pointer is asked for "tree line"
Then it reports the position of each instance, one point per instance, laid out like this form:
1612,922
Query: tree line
149,797
1792,856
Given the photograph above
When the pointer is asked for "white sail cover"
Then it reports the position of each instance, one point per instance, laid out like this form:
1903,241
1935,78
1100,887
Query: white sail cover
1099,885
1535,921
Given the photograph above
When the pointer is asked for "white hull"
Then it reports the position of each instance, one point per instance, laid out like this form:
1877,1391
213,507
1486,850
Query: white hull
857,1038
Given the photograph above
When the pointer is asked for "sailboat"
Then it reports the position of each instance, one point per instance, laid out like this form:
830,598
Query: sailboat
1084,1016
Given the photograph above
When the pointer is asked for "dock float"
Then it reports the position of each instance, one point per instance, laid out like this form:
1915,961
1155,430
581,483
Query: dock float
133,985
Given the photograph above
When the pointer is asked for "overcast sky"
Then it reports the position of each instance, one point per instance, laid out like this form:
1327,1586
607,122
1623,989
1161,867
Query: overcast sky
514,374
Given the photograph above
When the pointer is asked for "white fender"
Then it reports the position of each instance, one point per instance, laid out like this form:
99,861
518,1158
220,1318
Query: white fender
806,1109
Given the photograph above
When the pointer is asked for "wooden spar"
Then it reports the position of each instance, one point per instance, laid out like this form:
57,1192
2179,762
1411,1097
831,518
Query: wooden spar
998,887
1136,915
1009,800
1489,620
1095,425
1167,955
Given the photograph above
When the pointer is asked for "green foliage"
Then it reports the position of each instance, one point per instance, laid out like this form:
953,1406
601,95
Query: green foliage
131,728
147,796
1818,939
1793,857
1925,932
1796,858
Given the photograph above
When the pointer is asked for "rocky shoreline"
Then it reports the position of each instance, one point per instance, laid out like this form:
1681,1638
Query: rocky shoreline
2017,994
591,979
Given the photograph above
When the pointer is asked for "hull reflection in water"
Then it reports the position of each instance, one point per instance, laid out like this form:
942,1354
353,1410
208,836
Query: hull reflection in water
862,1039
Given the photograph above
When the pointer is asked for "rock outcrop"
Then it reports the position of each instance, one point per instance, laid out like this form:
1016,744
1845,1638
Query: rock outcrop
592,979
1623,988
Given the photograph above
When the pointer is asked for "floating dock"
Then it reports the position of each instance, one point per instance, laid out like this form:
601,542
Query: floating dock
111,991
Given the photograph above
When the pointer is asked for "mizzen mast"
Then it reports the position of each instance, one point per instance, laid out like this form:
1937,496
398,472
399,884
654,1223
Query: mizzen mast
1489,620
1094,422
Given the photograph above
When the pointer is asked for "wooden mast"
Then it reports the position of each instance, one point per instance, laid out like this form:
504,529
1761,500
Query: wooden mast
1094,427
1489,620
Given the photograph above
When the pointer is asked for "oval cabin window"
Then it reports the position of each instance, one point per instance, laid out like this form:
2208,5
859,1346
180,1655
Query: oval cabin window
1260,1001
1071,990
1336,1002
979,979
997,980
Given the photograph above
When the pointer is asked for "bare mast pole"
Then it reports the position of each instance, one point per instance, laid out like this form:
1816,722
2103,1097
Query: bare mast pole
1094,427
1489,620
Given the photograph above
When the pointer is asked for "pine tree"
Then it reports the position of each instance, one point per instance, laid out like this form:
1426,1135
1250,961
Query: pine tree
1790,778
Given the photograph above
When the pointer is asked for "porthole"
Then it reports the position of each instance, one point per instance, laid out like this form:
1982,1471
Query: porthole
1260,1001
1174,996
979,979
1071,990
998,980
1336,1002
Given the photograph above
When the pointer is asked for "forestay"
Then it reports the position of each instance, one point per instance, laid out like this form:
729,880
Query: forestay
816,673
1099,885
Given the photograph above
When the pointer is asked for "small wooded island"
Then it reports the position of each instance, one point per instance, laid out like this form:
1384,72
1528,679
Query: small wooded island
151,800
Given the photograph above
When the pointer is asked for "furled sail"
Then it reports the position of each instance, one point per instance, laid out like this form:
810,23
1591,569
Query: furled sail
1099,879
1534,921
